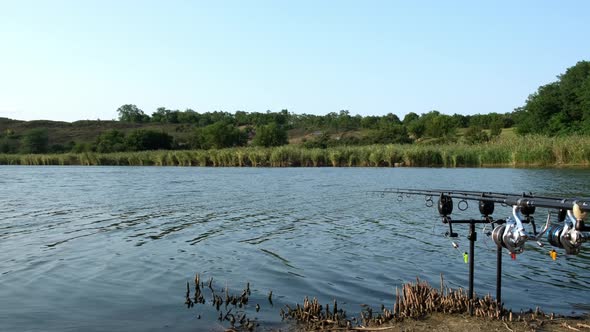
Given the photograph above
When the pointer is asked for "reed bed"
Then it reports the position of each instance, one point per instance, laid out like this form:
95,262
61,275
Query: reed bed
529,151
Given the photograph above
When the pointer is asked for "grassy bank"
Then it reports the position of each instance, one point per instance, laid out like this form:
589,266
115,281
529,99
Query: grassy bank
531,151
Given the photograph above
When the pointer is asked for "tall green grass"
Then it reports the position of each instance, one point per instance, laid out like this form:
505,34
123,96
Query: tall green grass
530,151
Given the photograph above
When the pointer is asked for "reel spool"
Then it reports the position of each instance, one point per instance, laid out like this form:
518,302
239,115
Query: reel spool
554,234
497,234
511,235
568,236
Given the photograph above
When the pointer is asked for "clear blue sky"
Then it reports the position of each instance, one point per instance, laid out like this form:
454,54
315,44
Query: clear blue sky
74,60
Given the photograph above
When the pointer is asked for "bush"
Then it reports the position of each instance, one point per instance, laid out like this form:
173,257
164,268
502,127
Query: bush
110,141
141,139
270,135
475,135
218,136
35,141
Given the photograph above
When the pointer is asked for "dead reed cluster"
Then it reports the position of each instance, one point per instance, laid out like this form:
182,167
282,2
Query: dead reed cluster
412,301
223,300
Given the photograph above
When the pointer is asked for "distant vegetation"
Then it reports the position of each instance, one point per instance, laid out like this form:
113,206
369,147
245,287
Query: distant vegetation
521,151
181,130
559,109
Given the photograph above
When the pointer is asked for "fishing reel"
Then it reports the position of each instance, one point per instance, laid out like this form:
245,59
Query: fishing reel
512,235
569,236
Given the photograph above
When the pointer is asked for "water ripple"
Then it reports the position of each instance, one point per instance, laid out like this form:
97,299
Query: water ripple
118,243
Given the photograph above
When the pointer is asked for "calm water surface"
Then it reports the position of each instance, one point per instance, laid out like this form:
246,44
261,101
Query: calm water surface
111,248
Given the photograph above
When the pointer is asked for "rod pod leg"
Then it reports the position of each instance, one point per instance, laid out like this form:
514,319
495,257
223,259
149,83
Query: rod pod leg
472,238
499,277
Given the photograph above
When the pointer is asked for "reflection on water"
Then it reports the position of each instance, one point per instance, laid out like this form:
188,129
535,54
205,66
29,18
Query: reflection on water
101,248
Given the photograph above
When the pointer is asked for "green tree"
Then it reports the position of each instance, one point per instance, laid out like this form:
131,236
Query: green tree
475,135
131,113
439,125
9,145
460,120
9,133
80,147
370,122
496,127
416,128
270,135
410,117
390,134
35,141
160,115
110,141
539,108
188,116
572,86
321,141
218,136
560,107
142,139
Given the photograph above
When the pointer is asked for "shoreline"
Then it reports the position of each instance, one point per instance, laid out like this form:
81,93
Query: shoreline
418,306
230,158
521,152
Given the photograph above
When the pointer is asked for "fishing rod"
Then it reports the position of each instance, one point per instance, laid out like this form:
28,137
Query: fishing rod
509,233
523,199
572,213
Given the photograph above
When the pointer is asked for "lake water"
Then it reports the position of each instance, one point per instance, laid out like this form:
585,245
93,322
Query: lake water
111,248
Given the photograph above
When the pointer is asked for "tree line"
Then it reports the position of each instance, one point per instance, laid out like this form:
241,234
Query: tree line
555,109
217,130
339,121
559,108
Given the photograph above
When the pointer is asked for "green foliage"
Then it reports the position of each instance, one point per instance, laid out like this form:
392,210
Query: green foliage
517,152
416,128
131,113
141,139
9,133
539,109
81,147
388,134
270,135
110,141
410,117
496,128
389,119
439,125
559,108
433,125
35,141
218,136
475,135
163,115
60,148
573,89
9,145
321,141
